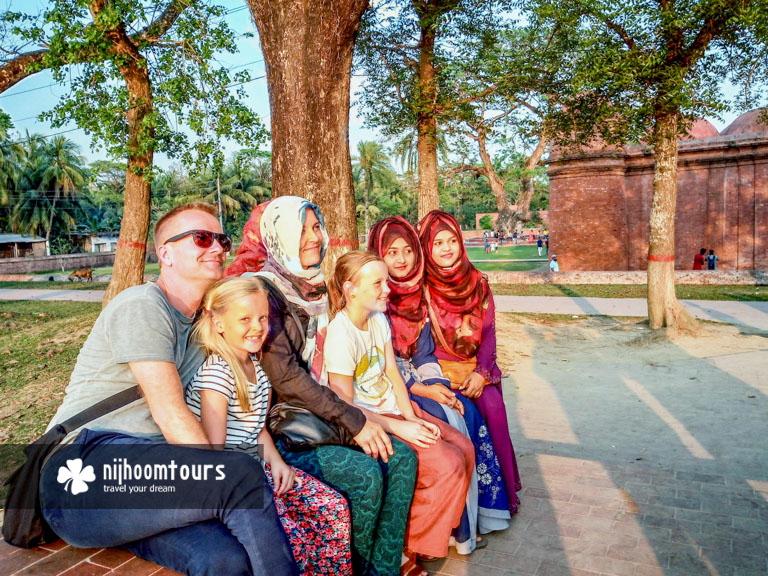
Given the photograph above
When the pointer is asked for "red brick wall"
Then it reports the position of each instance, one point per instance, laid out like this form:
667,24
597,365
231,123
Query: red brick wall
600,204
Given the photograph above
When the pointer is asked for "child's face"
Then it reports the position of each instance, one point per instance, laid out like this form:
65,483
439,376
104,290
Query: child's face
399,259
371,290
445,249
245,324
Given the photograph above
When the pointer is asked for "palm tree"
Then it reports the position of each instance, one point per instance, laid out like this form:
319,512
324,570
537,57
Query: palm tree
52,171
372,165
406,149
11,155
62,175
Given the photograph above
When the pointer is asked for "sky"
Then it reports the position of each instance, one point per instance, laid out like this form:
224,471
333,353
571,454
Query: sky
39,92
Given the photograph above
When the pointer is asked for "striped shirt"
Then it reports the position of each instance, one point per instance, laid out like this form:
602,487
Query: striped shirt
215,374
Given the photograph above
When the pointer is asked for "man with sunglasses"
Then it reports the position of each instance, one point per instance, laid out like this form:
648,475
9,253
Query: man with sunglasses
141,337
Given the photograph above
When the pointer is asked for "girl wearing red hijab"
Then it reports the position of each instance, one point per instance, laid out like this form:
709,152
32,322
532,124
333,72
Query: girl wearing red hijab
395,240
464,330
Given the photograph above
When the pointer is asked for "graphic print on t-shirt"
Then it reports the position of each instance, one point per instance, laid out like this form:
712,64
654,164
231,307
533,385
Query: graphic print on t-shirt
369,377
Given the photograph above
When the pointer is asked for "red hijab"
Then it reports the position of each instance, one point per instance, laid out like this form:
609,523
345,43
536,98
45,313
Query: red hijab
458,293
252,254
407,308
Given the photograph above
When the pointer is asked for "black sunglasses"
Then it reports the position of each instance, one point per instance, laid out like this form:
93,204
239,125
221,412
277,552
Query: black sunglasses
204,239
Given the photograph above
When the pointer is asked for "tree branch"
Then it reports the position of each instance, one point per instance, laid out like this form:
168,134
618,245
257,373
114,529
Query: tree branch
480,170
16,69
392,76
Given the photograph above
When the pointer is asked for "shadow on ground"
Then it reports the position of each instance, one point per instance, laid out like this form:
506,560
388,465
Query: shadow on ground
639,455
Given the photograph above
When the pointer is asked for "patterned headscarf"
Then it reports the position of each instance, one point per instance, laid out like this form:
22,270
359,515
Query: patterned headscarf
407,308
459,294
280,227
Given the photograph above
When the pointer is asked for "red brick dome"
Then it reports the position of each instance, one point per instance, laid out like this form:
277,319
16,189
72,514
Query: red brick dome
747,123
702,128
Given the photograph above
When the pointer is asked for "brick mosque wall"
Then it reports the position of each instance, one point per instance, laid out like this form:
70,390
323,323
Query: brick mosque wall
600,202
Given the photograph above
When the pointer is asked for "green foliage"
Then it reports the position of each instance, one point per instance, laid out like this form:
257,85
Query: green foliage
486,222
629,62
194,101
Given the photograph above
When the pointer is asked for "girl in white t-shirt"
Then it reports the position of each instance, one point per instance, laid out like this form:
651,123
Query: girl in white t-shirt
362,370
230,394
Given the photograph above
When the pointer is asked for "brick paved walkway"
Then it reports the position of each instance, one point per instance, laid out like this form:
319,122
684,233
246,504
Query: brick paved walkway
59,559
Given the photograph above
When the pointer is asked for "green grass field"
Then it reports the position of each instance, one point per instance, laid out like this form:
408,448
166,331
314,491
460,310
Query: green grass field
504,253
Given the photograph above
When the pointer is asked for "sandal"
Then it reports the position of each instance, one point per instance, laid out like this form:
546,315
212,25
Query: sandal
481,543
411,568
424,558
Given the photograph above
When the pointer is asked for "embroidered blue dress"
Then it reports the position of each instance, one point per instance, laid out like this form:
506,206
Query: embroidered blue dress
492,512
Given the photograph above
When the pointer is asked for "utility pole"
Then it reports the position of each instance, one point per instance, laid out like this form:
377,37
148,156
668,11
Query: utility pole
218,195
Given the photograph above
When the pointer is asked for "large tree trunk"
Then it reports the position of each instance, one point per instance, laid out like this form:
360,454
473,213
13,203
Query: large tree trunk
523,213
426,126
663,307
497,184
307,48
134,227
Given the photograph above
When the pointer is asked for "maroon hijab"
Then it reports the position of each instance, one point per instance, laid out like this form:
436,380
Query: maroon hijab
458,293
407,308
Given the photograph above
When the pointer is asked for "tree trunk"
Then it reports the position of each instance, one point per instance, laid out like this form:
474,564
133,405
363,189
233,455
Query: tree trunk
523,213
426,126
307,47
134,227
497,184
663,307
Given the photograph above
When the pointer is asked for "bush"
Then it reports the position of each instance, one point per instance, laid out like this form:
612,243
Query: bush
486,222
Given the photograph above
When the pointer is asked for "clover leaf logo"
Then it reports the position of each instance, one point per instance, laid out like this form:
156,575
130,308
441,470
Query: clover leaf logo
75,474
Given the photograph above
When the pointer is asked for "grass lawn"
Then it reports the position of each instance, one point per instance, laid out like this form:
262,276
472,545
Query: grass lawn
39,342
504,253
684,292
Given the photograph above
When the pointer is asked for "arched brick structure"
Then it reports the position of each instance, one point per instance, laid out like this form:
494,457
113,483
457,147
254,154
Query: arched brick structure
600,201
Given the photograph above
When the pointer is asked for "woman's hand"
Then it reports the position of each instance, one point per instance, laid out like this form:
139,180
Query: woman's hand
445,395
417,431
283,476
473,385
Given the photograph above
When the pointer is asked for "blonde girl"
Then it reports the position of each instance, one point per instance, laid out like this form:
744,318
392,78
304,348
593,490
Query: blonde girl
230,394
361,367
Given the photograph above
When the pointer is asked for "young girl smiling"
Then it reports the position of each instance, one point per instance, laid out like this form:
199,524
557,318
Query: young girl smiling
464,330
362,370
230,394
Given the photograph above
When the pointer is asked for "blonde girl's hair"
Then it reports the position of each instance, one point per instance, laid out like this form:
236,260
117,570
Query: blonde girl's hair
215,303
347,267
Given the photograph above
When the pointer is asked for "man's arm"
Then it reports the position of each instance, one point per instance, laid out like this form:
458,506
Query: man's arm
162,388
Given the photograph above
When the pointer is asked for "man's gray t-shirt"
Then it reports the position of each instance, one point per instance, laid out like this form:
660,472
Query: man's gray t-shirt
139,325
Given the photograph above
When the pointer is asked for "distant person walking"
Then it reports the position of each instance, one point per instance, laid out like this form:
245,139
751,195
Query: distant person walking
698,260
712,260
553,265
540,245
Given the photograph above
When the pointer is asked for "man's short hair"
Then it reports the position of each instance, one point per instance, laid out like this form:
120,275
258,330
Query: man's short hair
173,212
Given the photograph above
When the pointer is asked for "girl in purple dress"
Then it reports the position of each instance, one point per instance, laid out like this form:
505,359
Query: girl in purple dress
463,325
